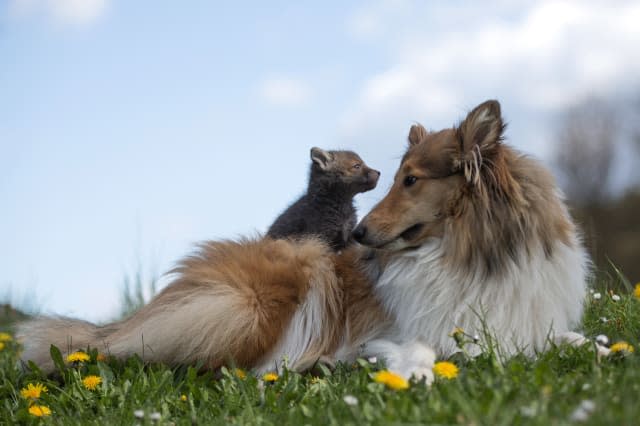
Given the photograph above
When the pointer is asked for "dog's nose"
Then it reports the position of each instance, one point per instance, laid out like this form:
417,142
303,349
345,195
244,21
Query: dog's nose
359,233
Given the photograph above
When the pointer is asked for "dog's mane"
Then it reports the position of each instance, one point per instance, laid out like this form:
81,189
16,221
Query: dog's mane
509,206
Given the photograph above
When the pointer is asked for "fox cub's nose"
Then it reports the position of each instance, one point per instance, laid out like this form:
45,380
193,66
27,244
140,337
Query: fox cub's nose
359,233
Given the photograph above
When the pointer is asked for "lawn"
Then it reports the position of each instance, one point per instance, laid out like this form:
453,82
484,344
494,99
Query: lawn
563,385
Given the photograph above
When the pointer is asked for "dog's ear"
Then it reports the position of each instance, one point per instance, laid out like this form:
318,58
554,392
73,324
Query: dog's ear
480,137
482,128
321,157
416,134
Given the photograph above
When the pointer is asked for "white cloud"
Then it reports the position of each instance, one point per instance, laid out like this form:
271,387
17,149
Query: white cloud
71,12
377,19
538,57
287,92
77,11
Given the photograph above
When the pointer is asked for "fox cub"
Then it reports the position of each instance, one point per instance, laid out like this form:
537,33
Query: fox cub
327,210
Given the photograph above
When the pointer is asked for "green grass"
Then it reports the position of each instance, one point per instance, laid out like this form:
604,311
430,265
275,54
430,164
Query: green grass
545,391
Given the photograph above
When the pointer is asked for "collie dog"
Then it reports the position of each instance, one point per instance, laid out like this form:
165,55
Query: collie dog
476,236
472,234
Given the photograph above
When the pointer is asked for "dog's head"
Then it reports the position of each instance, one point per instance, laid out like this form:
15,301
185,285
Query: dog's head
436,172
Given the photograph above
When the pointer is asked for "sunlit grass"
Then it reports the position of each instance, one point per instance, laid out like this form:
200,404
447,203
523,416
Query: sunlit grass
563,385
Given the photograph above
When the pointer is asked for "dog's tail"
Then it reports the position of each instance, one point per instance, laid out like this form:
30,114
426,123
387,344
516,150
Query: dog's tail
204,327
231,301
37,336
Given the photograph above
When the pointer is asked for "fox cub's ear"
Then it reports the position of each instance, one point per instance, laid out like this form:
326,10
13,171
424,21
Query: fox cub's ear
416,134
321,157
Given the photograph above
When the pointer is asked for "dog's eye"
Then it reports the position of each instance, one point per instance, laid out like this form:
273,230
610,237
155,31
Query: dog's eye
356,166
410,180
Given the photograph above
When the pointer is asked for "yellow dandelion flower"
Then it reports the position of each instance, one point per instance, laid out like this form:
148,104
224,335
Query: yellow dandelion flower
183,398
5,337
78,357
636,291
1,346
445,369
101,357
240,373
91,382
39,410
33,391
391,380
270,377
623,347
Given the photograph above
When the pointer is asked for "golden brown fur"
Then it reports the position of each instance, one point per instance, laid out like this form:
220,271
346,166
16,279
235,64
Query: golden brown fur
230,302
471,228
489,200
468,224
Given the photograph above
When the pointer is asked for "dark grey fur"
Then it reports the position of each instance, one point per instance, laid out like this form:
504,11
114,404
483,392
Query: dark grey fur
326,209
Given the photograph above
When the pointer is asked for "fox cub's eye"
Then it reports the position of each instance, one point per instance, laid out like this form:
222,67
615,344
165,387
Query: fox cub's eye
410,180
357,166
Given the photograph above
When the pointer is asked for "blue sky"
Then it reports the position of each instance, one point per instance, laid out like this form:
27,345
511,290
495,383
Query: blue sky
132,129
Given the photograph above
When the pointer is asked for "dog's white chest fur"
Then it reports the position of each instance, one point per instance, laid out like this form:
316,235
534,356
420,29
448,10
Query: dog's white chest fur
521,307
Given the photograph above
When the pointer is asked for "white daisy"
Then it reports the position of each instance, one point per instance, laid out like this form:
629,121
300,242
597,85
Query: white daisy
350,400
588,405
528,411
581,414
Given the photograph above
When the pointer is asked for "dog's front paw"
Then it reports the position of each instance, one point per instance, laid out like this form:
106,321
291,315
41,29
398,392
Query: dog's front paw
571,338
577,340
419,360
409,359
424,372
